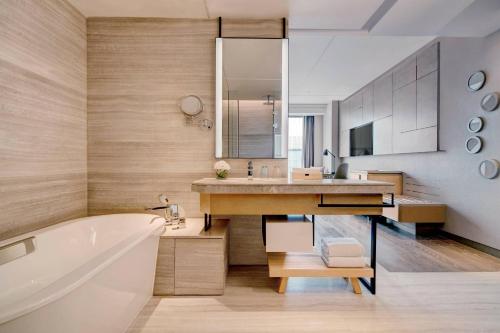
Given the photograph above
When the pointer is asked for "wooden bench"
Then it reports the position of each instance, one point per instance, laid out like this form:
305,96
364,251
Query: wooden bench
286,265
418,215
411,209
410,213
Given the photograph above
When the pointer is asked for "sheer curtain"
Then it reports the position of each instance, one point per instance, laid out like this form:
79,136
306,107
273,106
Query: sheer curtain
308,142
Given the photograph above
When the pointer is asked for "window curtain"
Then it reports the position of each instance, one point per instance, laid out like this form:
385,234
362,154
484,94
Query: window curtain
308,142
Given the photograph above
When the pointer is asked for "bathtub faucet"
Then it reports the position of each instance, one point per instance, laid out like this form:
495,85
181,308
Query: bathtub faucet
166,214
170,212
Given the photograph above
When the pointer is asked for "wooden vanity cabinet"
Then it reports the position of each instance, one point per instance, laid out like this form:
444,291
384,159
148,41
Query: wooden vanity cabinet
191,261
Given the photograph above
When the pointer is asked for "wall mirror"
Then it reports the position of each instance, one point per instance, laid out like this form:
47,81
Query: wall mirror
489,168
473,145
251,98
489,102
476,81
475,124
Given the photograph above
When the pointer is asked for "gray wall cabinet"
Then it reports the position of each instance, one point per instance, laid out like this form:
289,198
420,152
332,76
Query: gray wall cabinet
428,60
427,101
405,108
382,136
405,73
368,104
403,105
382,97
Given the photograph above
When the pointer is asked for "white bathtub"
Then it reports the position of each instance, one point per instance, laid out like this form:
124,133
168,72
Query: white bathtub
92,274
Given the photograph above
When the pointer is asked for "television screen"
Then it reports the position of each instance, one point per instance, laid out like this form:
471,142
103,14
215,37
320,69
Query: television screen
361,140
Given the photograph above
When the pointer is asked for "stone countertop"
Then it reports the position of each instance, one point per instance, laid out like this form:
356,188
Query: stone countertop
288,186
194,229
378,171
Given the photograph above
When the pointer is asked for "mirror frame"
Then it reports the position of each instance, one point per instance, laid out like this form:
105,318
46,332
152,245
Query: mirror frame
497,101
481,122
483,74
477,148
200,110
495,164
218,95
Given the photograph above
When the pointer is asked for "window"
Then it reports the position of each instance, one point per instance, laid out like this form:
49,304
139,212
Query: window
295,136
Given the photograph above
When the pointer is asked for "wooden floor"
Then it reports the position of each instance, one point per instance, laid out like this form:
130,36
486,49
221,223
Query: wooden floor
405,302
424,285
399,252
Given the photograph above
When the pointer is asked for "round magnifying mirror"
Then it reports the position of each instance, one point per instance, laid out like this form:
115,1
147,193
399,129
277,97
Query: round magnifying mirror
475,124
476,81
191,105
473,145
489,168
489,102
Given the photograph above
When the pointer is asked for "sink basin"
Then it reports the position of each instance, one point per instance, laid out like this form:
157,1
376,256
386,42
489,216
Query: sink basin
255,179
266,179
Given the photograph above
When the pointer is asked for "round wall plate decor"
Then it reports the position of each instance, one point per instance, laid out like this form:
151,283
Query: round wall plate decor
473,145
489,168
476,81
475,124
490,102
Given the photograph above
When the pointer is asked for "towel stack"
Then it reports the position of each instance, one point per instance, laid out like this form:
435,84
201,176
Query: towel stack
342,252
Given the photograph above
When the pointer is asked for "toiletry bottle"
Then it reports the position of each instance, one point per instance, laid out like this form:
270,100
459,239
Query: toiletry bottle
276,172
264,171
250,170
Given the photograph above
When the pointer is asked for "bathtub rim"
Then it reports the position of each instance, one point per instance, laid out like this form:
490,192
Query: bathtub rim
61,224
71,281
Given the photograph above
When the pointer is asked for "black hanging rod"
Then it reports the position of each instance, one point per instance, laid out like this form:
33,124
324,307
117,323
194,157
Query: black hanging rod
383,205
283,20
284,27
220,26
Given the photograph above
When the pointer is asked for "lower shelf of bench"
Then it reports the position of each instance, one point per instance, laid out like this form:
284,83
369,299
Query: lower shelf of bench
285,265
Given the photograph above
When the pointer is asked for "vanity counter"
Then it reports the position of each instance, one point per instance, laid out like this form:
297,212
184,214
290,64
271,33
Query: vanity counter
283,196
194,228
288,186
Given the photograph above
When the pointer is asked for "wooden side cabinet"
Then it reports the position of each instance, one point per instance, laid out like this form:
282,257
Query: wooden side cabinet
191,261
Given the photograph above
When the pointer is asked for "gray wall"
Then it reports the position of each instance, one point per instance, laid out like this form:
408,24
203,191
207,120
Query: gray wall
450,175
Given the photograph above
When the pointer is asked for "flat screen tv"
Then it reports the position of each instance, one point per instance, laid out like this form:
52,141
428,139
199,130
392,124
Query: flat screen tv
361,140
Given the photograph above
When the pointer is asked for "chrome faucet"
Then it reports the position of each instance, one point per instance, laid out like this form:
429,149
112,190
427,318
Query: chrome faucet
170,211
166,214
250,170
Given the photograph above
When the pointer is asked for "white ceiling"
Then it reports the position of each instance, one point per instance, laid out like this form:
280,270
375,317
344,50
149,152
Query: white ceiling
422,17
331,14
336,46
326,68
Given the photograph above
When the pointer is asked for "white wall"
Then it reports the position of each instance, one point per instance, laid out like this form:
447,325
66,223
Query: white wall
331,134
451,174
318,140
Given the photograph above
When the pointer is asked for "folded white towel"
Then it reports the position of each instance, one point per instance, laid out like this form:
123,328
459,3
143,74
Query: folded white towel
349,262
341,247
